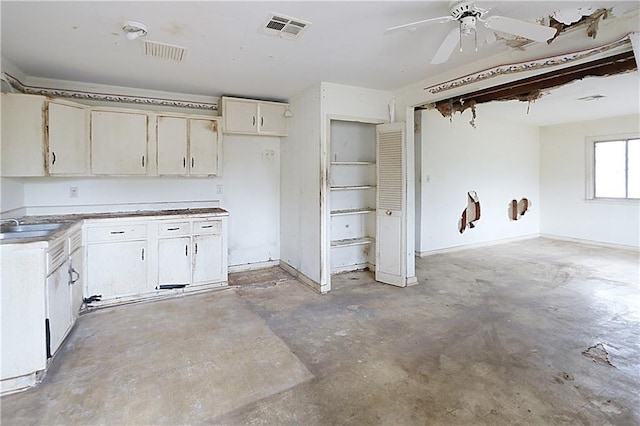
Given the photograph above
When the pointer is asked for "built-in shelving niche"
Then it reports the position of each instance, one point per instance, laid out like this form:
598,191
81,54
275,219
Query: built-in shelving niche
352,179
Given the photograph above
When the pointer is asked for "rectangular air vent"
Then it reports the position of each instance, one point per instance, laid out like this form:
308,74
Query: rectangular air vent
284,26
164,51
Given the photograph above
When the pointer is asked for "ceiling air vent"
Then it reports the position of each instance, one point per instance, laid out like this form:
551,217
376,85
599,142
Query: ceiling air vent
164,51
284,26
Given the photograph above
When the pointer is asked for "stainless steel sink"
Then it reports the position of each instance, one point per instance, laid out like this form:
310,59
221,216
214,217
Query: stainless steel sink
31,227
33,230
25,234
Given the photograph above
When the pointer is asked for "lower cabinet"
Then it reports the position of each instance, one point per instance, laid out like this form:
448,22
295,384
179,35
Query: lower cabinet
58,308
174,262
153,256
117,268
76,280
207,259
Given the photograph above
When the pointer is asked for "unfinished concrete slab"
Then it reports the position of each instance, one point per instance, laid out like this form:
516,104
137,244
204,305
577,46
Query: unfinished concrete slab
511,334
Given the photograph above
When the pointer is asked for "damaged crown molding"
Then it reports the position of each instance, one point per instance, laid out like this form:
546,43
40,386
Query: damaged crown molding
519,67
105,97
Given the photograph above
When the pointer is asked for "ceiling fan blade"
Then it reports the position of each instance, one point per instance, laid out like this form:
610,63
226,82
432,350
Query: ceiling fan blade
440,19
520,28
447,46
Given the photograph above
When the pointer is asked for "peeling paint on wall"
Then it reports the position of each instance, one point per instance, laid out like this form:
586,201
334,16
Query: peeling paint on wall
471,213
517,209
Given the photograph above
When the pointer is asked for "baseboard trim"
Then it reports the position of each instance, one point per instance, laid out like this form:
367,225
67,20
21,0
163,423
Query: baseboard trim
243,267
350,268
476,245
315,286
590,242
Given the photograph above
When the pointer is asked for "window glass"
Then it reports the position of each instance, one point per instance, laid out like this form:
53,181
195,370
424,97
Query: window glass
610,169
633,163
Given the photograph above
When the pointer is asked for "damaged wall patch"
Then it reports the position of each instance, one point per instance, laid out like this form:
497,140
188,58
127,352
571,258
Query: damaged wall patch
517,209
471,213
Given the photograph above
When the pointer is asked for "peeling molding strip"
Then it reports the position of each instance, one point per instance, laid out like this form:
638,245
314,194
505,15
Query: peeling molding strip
77,94
525,66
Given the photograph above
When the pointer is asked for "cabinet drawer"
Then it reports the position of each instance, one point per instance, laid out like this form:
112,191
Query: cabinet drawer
207,226
171,229
117,233
75,241
56,256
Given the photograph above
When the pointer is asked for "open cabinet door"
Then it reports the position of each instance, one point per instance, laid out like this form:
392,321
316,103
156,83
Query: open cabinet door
391,202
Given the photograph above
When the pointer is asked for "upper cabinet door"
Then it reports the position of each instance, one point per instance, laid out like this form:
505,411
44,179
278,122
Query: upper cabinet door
204,140
240,116
172,146
272,119
118,143
23,135
68,139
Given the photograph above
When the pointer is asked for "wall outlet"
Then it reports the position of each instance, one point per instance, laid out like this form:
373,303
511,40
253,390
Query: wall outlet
73,192
220,189
269,154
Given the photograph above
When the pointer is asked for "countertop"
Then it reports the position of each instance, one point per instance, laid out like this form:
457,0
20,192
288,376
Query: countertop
69,220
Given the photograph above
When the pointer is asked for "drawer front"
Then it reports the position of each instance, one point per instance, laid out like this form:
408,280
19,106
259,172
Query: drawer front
117,233
171,229
56,256
207,226
75,241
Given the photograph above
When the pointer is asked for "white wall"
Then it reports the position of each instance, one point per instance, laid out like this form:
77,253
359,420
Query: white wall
251,178
300,186
251,193
565,210
11,195
500,161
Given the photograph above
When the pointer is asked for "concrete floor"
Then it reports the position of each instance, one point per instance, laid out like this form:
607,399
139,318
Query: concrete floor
533,332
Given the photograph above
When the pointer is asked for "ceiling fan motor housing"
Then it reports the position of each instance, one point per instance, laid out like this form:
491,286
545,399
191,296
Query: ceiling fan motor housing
461,9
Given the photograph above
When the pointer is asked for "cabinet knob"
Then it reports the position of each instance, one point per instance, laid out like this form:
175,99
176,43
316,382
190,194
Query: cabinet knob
261,121
389,212
54,158
253,123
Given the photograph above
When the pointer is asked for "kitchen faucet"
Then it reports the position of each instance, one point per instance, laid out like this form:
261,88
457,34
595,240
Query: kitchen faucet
16,221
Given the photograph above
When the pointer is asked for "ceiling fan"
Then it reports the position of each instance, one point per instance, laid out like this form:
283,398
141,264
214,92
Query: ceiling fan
468,14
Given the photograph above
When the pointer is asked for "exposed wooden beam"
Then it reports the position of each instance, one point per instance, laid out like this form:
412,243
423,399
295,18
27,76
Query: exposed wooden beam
530,88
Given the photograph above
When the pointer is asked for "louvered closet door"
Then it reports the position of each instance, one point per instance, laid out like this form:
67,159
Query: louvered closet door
390,203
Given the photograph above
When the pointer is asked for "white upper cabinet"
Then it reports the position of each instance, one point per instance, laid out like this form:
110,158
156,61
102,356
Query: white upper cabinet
188,146
23,135
172,146
204,141
68,126
246,116
118,143
272,119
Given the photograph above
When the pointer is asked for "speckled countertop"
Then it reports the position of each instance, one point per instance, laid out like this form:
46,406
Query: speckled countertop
70,220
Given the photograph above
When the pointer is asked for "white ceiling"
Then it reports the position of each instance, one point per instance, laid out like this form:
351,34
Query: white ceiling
563,105
83,41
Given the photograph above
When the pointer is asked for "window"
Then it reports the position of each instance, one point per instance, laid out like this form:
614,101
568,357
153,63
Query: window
616,169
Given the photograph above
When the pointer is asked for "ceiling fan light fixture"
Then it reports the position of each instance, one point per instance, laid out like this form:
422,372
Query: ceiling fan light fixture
134,29
468,29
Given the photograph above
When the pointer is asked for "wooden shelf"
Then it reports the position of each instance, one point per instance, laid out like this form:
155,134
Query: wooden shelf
352,242
352,163
352,211
351,187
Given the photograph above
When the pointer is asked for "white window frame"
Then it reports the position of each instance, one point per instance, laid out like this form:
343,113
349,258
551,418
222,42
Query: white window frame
591,166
